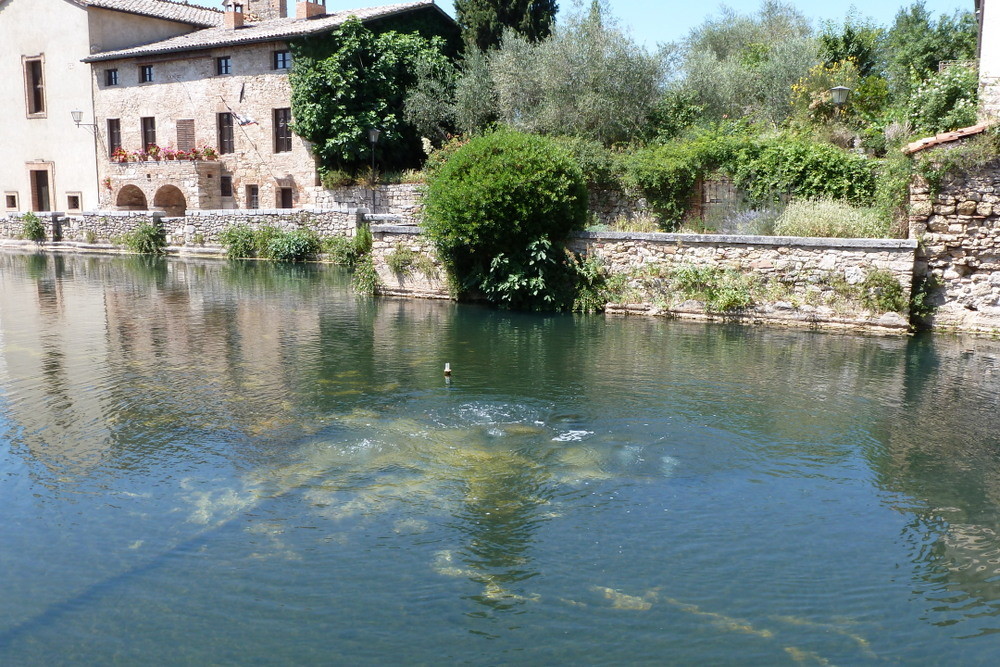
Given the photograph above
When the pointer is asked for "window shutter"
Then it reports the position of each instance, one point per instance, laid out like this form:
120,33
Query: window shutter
185,134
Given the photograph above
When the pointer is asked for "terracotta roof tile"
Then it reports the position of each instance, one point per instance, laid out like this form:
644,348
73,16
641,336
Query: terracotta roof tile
258,31
943,138
164,9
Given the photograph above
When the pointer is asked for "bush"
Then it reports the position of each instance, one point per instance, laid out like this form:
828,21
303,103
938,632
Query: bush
298,245
366,280
497,212
242,242
401,259
882,293
828,218
146,239
239,242
336,178
32,228
722,290
341,250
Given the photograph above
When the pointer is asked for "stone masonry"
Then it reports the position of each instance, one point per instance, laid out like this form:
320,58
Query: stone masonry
959,232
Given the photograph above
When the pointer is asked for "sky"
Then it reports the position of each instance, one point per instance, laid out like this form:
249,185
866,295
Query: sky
651,22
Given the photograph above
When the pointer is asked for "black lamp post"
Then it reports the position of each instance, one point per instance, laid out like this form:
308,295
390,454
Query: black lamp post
373,133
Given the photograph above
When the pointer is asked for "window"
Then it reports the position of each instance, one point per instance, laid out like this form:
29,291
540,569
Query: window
34,86
114,135
253,199
226,186
224,65
148,132
145,74
282,130
111,77
224,125
284,198
73,200
282,59
11,200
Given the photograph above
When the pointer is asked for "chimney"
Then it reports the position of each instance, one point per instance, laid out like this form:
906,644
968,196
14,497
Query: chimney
233,18
306,9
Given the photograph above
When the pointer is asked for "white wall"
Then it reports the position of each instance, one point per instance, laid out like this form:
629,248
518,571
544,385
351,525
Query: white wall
57,30
989,62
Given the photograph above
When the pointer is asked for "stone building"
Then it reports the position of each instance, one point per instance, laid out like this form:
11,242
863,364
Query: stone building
49,161
220,95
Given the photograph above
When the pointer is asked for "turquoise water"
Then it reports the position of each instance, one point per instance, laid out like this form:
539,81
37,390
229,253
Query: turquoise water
204,463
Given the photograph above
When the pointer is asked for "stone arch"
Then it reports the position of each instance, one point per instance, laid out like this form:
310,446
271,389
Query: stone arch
171,201
131,198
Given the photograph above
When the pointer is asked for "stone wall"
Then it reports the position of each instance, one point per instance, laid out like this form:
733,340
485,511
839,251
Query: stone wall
424,277
403,200
797,281
959,232
197,228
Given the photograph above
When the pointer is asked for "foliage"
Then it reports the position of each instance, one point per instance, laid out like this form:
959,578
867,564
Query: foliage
945,101
297,245
363,240
497,211
784,165
268,242
601,166
341,250
916,43
922,293
353,80
768,168
239,241
882,293
941,162
336,178
32,228
595,287
365,279
858,41
589,79
828,218
721,289
483,22
146,239
744,66
400,261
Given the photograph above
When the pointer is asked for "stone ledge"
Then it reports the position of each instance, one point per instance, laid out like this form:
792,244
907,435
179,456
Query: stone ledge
731,239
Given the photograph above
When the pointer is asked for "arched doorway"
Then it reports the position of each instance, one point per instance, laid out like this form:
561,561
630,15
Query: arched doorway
130,198
171,201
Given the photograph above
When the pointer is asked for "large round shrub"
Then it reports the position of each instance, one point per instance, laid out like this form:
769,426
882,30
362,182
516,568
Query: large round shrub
499,201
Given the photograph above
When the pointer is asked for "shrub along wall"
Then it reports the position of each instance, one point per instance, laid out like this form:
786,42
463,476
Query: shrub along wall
825,283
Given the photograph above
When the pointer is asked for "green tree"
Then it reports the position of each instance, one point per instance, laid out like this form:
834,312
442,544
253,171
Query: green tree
483,22
354,80
916,43
857,40
744,66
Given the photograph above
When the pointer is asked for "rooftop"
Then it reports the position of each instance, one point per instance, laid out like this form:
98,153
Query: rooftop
258,31
162,9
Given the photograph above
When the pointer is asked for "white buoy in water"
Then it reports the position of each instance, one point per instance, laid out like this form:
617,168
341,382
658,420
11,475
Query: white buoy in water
447,370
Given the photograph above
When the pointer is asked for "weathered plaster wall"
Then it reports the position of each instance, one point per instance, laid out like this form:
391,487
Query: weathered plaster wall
959,231
56,31
112,30
804,279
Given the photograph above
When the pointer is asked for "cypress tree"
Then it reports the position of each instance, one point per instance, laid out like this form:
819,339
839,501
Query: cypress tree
483,21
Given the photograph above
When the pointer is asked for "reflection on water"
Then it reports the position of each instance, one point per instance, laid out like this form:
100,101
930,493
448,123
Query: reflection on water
238,453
